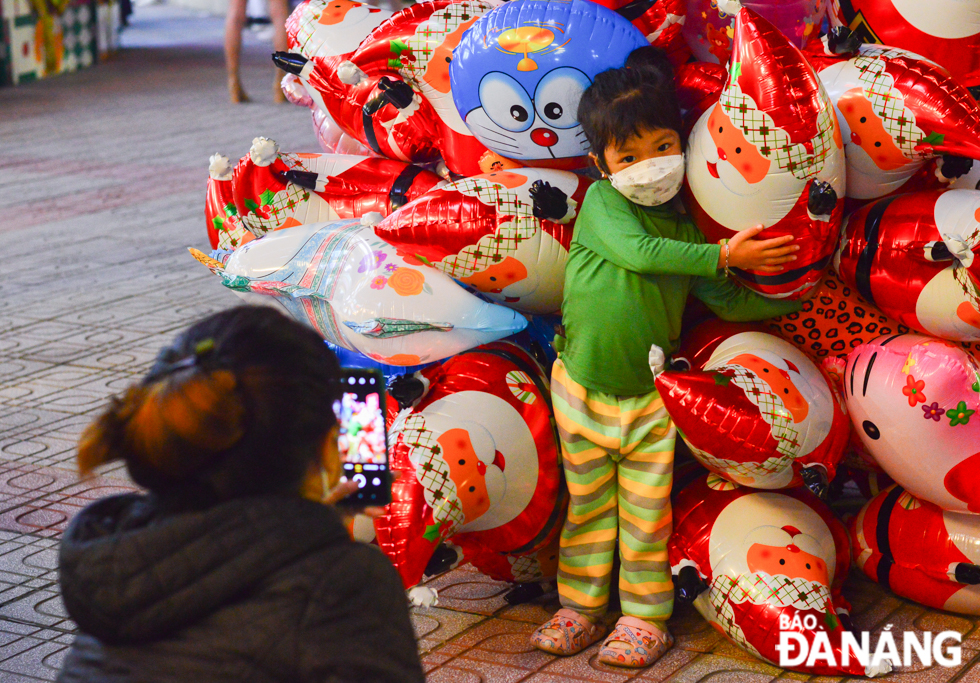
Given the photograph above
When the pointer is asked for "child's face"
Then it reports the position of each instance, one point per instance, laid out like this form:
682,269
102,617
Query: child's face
660,142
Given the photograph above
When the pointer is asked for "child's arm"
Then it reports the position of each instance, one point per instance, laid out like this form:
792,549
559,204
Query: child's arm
608,227
733,302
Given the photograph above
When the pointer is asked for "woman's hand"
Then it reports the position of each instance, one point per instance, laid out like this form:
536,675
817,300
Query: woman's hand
345,488
765,256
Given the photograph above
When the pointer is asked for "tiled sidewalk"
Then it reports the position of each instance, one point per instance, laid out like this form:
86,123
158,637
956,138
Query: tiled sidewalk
101,189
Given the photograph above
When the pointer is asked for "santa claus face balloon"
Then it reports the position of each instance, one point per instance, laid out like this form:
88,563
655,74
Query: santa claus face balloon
518,76
766,557
758,413
912,256
479,460
896,109
919,551
388,88
482,232
273,191
769,152
913,400
945,31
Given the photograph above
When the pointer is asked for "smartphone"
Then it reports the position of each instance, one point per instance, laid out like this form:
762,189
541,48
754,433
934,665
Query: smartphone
363,441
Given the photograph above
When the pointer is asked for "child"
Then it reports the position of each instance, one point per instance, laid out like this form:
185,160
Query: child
633,261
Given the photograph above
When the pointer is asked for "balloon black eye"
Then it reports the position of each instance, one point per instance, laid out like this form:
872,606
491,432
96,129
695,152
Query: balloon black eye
493,279
519,113
877,144
721,128
807,565
462,462
786,391
871,430
864,119
472,489
553,111
782,562
448,59
738,150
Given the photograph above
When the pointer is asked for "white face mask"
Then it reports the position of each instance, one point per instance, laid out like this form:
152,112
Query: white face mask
651,182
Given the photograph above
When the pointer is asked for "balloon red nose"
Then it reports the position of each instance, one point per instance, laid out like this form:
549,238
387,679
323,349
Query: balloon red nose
544,137
722,155
855,138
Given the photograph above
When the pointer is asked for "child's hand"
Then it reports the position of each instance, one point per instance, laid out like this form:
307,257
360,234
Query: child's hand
767,256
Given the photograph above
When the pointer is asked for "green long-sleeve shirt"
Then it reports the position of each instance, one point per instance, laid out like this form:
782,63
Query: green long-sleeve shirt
630,270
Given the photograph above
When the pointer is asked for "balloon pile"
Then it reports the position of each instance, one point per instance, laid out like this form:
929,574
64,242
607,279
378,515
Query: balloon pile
430,237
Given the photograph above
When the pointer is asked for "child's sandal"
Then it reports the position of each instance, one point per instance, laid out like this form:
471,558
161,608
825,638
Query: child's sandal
572,633
645,644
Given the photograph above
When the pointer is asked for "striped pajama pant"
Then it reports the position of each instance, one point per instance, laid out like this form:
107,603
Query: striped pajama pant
618,455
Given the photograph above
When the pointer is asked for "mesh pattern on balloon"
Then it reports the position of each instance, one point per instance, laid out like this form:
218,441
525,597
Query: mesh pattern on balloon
307,27
755,471
888,104
967,285
491,249
525,568
771,408
773,142
282,206
433,473
783,591
430,34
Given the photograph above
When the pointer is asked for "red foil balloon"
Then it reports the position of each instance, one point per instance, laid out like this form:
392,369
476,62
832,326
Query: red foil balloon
479,461
384,78
661,21
913,402
896,110
698,86
325,187
945,31
765,556
482,231
914,257
836,321
919,551
757,411
770,153
225,230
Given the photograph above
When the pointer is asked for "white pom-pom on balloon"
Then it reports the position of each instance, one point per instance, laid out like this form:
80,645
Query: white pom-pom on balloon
422,596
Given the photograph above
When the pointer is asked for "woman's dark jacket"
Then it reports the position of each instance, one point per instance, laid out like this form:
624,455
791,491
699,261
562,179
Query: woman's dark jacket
255,589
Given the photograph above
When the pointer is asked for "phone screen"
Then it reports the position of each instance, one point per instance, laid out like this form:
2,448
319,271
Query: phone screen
362,442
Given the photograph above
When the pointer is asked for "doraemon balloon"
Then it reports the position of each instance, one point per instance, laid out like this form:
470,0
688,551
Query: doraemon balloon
518,74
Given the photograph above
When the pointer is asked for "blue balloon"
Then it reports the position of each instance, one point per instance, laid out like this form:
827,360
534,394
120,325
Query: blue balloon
518,74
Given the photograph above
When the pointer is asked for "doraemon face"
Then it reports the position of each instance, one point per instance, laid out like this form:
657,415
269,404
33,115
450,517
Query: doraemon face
538,125
519,73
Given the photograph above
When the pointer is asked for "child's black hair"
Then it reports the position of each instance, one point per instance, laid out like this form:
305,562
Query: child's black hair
623,102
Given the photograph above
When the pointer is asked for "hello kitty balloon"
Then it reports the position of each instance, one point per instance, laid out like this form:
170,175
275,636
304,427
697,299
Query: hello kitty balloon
913,401
519,73
770,153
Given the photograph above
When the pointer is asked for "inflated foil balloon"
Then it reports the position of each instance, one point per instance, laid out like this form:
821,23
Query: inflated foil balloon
756,410
662,22
896,110
226,232
273,190
913,256
474,440
913,402
945,31
485,232
357,292
384,79
698,86
710,26
836,321
919,551
770,153
758,558
518,75
332,139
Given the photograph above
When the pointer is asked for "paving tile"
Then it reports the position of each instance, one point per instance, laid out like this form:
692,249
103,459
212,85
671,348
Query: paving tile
434,626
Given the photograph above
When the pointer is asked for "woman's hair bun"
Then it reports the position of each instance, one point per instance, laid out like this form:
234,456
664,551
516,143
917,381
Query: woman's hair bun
171,425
